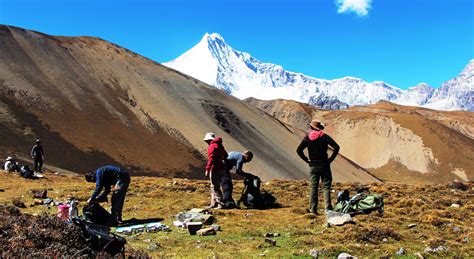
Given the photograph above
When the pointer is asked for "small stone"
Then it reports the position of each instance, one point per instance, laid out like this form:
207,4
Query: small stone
262,254
385,240
147,240
456,229
418,255
345,256
272,234
270,241
458,186
220,241
18,203
206,232
40,194
153,246
401,251
455,205
466,240
314,253
411,225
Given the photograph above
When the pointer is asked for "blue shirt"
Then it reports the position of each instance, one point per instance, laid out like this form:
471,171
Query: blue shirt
107,176
235,159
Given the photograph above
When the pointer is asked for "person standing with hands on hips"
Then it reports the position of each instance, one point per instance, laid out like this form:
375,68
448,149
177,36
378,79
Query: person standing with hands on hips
317,143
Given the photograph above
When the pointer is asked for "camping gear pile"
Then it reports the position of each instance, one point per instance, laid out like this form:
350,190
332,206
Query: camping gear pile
194,220
346,207
44,236
363,202
139,228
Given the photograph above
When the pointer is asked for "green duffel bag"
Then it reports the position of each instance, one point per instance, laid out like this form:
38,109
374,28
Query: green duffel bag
361,203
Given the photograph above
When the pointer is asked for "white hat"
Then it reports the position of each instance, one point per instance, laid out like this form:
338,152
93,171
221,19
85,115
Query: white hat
209,136
9,158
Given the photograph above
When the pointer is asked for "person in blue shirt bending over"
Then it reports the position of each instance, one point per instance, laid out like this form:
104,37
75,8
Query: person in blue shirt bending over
237,160
110,178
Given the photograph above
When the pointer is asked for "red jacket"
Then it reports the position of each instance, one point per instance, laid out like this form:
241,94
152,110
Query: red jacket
216,155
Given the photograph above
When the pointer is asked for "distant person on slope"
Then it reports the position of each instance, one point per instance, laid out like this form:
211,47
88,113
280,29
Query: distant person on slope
105,177
317,143
216,156
38,155
237,160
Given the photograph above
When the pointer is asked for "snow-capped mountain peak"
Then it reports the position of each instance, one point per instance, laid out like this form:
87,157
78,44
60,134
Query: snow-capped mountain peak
216,63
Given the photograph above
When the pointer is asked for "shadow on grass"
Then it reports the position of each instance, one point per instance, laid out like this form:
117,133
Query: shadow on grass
134,221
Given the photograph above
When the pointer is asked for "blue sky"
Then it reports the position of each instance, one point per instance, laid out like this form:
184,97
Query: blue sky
401,42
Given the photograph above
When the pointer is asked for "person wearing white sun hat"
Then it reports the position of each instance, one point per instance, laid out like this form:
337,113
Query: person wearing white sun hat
216,156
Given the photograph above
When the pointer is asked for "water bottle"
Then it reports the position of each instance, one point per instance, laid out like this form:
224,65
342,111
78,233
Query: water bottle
73,210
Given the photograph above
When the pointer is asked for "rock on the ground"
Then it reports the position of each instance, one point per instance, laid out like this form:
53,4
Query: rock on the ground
401,251
314,253
206,232
270,241
346,256
411,225
429,249
338,219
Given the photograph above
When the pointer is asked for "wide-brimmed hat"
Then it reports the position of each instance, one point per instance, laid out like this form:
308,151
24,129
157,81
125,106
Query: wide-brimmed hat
9,158
316,124
209,136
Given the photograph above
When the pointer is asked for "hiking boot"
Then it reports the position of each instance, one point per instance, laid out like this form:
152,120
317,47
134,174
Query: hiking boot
210,207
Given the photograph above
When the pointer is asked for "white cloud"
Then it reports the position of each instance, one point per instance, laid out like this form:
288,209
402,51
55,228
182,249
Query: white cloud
360,7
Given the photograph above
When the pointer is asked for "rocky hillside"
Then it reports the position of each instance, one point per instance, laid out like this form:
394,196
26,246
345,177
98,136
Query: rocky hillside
93,102
397,143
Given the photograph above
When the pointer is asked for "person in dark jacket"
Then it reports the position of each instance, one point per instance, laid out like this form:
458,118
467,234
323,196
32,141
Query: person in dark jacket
105,177
216,155
38,155
234,160
317,143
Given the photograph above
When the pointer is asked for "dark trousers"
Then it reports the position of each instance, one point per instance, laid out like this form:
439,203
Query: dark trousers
118,198
38,164
323,173
227,188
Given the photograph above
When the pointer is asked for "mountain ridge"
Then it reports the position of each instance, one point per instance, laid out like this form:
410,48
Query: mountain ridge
240,74
94,103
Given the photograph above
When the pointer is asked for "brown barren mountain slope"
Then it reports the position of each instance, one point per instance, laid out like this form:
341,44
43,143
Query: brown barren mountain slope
93,102
397,143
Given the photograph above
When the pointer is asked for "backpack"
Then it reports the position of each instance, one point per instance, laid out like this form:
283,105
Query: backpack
360,203
95,213
26,172
251,195
100,239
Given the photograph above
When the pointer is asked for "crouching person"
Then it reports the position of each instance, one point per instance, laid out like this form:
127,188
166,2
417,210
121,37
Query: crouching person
234,160
110,178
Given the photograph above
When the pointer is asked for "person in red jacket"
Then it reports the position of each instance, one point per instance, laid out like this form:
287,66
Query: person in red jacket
216,156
